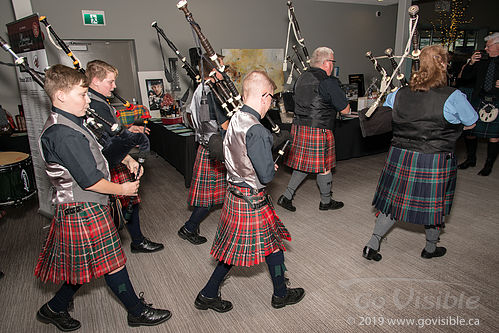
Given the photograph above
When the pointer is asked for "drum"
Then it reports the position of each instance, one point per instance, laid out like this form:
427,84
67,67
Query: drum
17,179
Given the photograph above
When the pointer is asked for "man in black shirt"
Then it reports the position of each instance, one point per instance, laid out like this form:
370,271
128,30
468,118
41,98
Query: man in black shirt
318,97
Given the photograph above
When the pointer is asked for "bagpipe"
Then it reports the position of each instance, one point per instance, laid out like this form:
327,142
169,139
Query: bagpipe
304,60
224,90
387,80
118,143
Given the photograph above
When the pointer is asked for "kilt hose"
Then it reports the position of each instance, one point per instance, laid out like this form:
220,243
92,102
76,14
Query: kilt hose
245,235
312,149
82,244
415,187
483,129
209,181
119,175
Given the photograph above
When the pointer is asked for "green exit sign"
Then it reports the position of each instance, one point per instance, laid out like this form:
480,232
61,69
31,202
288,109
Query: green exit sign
93,17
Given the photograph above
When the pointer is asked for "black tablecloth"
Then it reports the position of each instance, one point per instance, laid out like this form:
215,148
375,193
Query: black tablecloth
16,142
179,151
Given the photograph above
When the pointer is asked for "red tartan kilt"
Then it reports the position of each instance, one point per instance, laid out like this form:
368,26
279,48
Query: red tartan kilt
312,149
245,235
119,175
209,181
80,246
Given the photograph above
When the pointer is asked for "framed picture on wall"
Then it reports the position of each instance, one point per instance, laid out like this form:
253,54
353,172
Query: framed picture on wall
154,91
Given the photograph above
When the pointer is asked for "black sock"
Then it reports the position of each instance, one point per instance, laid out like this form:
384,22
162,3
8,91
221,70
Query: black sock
121,286
198,214
62,298
213,285
275,261
133,225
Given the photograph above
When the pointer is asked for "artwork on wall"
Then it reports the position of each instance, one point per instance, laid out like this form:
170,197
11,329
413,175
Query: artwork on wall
155,93
242,61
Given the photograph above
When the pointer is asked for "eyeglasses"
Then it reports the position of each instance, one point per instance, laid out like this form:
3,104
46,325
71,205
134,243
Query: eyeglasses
333,61
268,94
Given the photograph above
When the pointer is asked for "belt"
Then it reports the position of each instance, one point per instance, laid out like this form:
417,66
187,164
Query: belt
250,199
73,210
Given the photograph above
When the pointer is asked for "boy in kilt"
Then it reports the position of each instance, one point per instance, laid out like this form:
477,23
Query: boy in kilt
418,180
102,78
249,231
208,183
318,97
82,243
484,73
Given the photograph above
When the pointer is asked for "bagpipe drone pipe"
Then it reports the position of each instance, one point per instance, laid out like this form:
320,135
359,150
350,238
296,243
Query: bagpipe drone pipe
377,119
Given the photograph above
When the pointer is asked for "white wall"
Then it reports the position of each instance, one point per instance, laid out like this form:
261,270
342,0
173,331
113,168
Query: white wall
350,30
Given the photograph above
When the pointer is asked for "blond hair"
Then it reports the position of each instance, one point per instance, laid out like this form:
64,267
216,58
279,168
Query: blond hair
433,70
60,77
255,81
99,69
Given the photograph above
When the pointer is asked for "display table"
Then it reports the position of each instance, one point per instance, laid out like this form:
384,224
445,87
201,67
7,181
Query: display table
350,143
178,150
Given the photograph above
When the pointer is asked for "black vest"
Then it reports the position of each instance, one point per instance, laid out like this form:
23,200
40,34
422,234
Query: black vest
419,124
310,109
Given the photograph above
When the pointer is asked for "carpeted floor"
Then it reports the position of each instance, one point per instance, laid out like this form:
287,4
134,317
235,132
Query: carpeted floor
344,292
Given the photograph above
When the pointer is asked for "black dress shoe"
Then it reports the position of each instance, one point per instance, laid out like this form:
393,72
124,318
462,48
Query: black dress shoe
293,296
371,254
217,303
62,320
192,237
439,252
487,169
466,164
146,246
286,203
149,317
333,204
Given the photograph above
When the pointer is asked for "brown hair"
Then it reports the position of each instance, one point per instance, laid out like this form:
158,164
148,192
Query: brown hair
99,69
255,79
433,70
60,77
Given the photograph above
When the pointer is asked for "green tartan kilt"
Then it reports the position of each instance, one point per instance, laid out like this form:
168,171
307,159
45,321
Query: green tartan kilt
82,244
415,187
245,235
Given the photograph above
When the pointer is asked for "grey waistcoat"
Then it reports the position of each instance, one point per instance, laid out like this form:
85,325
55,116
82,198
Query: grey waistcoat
67,189
237,162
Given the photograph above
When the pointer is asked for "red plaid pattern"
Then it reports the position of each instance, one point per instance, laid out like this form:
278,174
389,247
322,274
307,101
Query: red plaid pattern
312,149
415,187
244,235
120,174
209,181
80,245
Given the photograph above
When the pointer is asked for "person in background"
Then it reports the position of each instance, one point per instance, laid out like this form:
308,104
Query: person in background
318,98
418,180
483,72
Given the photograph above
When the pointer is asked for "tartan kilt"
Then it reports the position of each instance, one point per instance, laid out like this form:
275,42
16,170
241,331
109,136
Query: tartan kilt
245,235
119,175
209,181
416,187
312,149
483,129
80,246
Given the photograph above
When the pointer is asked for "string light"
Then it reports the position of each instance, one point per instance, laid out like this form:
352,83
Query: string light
449,21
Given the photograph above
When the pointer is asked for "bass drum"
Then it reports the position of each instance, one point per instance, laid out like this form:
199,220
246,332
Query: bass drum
17,179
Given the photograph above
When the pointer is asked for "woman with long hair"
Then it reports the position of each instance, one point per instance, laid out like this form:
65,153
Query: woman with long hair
418,179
